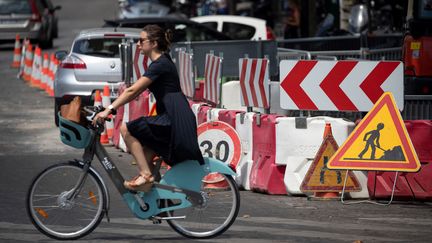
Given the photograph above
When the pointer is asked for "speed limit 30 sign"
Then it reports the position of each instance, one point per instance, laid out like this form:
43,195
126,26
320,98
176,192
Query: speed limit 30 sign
219,140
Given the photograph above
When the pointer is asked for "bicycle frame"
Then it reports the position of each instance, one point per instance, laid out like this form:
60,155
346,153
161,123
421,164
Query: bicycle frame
181,183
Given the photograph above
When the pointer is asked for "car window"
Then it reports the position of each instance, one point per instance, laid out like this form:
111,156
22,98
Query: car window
192,33
211,25
238,31
40,5
99,47
15,6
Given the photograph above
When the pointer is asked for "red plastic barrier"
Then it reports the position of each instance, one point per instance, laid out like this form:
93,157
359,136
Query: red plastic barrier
265,175
409,185
420,132
118,120
139,106
380,185
229,116
202,113
199,91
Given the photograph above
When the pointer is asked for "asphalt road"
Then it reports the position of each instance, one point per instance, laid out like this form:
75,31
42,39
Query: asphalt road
29,142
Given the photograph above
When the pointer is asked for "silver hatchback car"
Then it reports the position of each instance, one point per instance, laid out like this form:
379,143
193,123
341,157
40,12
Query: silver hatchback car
92,63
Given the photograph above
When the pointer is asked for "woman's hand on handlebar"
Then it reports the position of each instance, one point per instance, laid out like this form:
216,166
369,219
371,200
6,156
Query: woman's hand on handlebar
101,117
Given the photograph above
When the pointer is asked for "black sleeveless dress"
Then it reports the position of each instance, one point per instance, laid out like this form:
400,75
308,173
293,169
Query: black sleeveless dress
172,133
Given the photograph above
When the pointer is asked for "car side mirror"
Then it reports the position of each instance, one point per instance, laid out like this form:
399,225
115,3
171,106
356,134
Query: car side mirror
60,55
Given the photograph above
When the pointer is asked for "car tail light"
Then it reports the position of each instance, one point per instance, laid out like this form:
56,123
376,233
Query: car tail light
73,62
36,17
270,35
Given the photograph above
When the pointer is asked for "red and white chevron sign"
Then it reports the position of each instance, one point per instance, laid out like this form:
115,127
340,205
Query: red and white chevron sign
212,73
254,82
339,85
140,62
187,81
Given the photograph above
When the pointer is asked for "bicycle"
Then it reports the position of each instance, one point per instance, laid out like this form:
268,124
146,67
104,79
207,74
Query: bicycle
68,200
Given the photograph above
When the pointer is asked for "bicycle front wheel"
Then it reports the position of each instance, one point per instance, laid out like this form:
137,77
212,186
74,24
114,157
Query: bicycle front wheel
213,217
54,213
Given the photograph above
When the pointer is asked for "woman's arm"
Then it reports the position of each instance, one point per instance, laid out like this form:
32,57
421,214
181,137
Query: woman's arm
132,92
129,94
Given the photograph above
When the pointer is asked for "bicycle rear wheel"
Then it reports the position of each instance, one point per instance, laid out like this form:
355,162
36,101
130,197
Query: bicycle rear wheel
217,213
53,214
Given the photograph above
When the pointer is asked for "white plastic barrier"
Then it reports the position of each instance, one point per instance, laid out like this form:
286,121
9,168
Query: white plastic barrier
231,98
244,130
297,147
195,109
362,177
213,114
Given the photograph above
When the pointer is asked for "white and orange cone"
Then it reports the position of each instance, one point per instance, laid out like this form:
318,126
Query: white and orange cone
44,75
50,83
53,75
23,58
17,52
35,78
28,63
98,102
215,181
106,101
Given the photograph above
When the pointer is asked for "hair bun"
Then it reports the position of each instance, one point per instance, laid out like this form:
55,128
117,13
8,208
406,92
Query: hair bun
168,36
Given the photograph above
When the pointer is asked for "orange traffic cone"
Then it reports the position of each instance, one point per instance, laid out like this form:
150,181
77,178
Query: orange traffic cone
98,102
106,101
53,74
215,181
28,63
44,76
97,99
17,52
23,59
326,195
52,69
35,78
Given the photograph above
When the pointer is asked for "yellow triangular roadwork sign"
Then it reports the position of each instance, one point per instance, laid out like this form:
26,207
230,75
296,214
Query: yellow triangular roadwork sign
320,179
379,142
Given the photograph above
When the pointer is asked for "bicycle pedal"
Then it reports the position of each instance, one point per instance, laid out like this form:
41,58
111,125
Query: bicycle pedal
157,221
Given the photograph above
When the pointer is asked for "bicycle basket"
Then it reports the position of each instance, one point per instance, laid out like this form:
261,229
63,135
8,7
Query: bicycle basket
73,134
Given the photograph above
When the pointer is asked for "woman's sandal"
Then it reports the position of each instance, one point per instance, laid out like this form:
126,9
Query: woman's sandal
140,183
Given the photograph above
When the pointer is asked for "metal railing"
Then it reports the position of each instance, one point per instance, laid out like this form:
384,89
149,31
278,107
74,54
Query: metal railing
349,42
394,53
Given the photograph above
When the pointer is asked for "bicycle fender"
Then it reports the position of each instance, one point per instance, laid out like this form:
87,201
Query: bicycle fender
219,166
188,174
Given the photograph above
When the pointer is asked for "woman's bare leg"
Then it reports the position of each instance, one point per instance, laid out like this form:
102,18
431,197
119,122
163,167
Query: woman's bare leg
143,155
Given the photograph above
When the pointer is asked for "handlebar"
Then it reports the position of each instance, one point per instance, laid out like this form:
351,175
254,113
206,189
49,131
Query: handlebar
92,111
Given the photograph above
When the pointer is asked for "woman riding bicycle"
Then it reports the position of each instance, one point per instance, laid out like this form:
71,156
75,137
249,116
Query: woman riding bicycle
172,133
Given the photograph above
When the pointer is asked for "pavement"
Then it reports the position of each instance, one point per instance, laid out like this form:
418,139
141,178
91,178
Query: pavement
30,142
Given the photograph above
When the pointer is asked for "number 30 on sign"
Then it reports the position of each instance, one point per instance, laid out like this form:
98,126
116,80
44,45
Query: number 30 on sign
219,140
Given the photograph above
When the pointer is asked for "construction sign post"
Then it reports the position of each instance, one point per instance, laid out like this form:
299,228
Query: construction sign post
380,142
320,179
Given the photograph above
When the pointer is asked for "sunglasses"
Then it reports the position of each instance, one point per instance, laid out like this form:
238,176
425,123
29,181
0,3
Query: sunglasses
142,40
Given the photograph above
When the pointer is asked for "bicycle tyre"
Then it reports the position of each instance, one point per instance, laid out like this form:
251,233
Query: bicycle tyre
176,224
65,170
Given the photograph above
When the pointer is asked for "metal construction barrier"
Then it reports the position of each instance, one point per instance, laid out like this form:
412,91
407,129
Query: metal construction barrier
347,42
232,52
417,107
394,53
